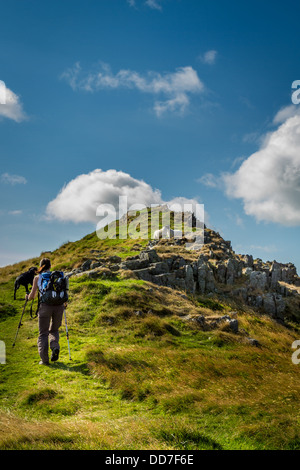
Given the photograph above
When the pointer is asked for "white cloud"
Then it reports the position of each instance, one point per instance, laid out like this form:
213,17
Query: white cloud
210,180
285,113
12,179
209,57
10,105
268,181
174,88
79,199
179,104
251,137
15,212
154,4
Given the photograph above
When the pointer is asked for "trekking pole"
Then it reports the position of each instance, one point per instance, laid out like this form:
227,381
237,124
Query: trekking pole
67,333
20,322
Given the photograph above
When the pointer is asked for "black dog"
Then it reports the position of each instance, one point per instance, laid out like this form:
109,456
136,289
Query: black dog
25,279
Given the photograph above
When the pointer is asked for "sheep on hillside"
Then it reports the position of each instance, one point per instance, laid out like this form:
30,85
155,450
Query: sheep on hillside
167,232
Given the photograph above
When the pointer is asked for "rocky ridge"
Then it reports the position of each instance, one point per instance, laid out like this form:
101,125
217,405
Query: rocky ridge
214,270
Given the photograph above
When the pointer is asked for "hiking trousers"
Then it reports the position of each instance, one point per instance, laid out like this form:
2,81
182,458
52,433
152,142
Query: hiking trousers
50,318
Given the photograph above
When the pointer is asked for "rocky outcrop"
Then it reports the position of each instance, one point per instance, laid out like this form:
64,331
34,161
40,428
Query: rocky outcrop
212,322
217,269
256,283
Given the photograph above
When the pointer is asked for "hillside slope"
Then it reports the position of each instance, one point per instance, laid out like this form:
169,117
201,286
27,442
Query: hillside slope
167,351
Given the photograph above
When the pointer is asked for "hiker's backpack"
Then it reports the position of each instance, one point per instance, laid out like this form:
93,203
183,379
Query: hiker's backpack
53,288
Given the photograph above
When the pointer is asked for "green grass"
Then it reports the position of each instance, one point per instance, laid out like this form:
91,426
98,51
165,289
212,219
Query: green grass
141,376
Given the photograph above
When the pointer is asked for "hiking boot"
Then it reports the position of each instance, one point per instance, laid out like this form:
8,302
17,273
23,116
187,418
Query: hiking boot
42,363
55,354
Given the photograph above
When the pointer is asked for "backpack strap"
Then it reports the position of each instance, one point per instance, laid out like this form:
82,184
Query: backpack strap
43,278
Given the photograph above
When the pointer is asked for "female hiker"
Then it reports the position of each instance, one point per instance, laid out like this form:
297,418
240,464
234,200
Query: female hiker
49,316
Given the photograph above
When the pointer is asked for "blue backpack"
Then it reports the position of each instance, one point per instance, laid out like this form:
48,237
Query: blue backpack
53,287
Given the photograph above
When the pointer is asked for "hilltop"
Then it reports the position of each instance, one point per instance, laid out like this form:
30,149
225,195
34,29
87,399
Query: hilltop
172,348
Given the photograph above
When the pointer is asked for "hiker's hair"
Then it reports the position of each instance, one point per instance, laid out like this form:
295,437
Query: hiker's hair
45,265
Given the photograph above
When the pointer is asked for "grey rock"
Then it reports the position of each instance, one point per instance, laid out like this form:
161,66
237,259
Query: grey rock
178,262
95,264
230,272
180,273
224,317
210,281
97,272
164,279
233,325
202,278
138,313
276,275
280,306
233,270
170,261
241,292
253,342
86,265
96,252
114,259
221,273
247,271
269,304
149,255
258,301
274,305
248,260
195,268
289,273
143,274
200,319
159,268
215,321
134,264
205,276
189,279
258,280
202,259
114,267
71,273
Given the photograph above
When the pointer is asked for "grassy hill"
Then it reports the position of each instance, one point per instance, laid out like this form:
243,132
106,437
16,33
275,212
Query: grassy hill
144,374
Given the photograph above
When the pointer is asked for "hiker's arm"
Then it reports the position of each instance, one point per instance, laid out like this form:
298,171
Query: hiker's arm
33,290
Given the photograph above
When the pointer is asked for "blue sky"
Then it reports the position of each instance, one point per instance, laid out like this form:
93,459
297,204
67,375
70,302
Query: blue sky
188,98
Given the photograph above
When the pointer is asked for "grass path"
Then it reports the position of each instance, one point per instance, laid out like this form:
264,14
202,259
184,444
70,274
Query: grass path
149,381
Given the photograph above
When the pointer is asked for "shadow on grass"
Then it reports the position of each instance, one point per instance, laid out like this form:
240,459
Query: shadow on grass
72,366
184,439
